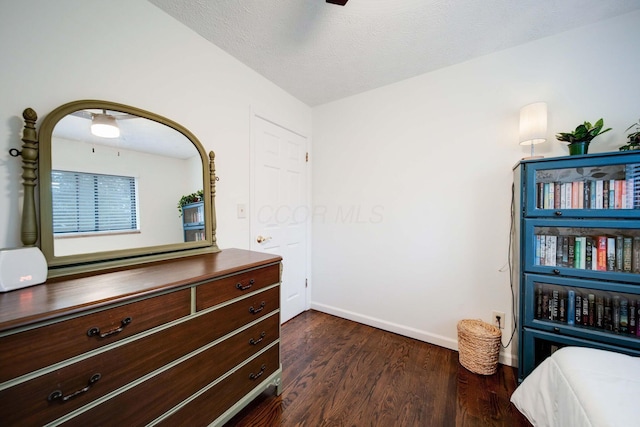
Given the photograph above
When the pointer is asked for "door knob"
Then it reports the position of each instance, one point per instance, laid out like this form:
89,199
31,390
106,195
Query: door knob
261,239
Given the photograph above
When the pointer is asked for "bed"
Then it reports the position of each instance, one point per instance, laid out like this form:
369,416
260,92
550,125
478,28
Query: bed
582,387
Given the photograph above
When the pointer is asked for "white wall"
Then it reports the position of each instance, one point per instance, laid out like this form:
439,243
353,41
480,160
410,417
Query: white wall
131,52
412,182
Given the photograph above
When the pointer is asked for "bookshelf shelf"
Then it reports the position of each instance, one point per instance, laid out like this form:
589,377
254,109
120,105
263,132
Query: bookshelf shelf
578,250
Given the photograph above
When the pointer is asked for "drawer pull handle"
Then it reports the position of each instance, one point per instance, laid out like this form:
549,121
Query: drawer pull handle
57,394
558,213
96,331
257,310
244,288
255,342
556,271
253,376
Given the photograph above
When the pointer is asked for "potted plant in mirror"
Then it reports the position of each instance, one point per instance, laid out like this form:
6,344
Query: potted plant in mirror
189,198
582,136
633,137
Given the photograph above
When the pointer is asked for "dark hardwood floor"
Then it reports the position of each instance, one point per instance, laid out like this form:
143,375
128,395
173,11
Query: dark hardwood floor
341,373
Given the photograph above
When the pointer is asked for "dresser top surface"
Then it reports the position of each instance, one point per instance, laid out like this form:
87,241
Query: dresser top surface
64,296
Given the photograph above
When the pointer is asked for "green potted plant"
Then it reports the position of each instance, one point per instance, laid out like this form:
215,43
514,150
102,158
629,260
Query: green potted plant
189,198
580,138
633,137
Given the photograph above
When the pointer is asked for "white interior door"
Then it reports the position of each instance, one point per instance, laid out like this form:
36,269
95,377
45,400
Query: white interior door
279,209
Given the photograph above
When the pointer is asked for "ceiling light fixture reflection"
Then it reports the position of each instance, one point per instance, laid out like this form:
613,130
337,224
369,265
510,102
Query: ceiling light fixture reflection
104,125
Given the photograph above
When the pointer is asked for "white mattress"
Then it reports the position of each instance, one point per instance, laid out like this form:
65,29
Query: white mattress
582,387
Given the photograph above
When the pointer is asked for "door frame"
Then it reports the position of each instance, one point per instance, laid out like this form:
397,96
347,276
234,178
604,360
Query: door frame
258,113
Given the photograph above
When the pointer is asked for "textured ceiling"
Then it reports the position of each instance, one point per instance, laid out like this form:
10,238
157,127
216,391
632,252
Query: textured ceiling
321,52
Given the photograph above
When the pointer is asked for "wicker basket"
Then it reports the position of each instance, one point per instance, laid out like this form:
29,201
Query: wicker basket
479,346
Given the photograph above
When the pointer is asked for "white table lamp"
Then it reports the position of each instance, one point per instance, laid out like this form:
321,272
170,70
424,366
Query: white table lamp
533,125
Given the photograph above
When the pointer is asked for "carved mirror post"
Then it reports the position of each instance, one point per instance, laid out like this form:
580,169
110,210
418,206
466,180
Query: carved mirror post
29,153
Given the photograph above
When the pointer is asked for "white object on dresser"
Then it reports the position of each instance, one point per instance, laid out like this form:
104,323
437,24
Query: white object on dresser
21,267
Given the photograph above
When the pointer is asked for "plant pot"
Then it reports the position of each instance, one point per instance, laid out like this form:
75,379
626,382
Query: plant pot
578,148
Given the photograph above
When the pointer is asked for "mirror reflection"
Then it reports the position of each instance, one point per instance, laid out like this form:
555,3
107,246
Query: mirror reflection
121,190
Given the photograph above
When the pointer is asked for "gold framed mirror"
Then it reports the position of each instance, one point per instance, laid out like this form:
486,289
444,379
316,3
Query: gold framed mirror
109,201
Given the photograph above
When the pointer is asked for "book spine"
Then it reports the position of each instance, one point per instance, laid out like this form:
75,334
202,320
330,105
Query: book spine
592,310
578,308
583,252
562,308
638,317
551,247
571,251
559,251
545,196
580,194
600,311
545,303
624,316
588,254
616,314
635,254
608,314
556,195
605,194
571,307
611,253
619,252
540,195
592,195
554,304
633,316
602,253
577,253
585,309
627,246
628,189
612,194
538,290
599,194
586,194
618,194
565,251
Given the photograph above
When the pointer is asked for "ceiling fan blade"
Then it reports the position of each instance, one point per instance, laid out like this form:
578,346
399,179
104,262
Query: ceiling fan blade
339,2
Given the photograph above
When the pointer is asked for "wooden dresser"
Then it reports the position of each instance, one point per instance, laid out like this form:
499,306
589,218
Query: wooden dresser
189,341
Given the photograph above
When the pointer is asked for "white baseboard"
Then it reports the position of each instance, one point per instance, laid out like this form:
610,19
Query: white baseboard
407,331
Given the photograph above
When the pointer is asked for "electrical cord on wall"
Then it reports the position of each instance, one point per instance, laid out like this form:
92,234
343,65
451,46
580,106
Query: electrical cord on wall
512,232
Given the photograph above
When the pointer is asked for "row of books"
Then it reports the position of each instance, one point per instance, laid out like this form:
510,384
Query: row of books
616,313
194,235
603,253
587,194
193,216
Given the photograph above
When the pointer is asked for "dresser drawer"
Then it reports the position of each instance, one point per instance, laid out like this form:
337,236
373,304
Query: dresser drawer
234,316
219,291
37,348
158,394
215,401
28,402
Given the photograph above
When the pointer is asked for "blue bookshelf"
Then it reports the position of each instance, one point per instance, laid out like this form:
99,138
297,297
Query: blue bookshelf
193,222
577,235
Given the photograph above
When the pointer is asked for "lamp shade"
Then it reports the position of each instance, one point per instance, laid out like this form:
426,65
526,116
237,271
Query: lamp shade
533,123
105,126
